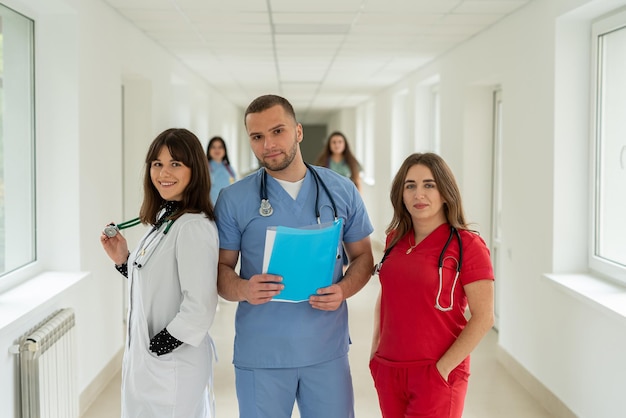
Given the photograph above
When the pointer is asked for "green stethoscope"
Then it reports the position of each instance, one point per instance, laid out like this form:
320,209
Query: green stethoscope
112,229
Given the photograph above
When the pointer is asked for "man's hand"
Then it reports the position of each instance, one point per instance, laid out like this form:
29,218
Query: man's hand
327,298
261,288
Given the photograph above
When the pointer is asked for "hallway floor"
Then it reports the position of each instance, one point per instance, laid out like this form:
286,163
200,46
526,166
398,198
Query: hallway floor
492,391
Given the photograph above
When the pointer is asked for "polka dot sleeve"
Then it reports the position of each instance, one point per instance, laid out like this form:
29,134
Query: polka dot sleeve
123,269
164,343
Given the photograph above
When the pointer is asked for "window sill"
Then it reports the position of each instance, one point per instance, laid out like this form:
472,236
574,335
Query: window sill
595,291
22,299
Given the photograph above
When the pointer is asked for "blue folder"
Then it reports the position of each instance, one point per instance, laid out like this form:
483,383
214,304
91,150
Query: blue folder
304,257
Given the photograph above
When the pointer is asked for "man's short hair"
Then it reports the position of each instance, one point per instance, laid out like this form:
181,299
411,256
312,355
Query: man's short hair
267,101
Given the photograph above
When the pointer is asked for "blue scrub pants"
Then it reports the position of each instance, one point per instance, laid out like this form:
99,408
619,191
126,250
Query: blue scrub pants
322,390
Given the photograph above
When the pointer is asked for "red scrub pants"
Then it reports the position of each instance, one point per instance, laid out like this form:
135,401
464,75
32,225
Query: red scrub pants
418,391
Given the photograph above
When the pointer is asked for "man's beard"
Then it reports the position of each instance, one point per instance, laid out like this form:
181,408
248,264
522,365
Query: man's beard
281,165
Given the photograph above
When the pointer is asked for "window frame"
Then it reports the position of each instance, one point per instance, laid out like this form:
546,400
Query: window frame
22,179
600,27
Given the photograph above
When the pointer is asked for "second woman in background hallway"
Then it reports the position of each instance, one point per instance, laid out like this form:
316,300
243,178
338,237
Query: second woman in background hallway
337,156
222,172
434,267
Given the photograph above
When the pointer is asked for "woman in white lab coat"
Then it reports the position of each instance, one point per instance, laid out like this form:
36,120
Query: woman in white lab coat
167,369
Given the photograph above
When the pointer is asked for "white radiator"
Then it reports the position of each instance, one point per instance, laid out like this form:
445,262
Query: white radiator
48,368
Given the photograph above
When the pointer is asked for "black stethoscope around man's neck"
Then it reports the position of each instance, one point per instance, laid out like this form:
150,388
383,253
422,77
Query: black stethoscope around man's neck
266,208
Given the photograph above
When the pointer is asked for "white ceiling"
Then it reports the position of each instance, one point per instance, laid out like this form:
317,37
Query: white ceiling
319,54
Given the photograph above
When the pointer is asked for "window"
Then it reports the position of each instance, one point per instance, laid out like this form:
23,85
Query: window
427,116
365,145
400,139
609,138
435,120
17,186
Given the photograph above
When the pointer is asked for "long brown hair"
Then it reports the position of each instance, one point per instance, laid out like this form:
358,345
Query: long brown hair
324,158
208,149
446,184
185,147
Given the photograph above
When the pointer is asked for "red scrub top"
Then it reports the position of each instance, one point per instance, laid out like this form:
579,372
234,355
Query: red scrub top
412,330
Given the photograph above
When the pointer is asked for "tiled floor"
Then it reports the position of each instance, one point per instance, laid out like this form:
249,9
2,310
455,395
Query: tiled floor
492,392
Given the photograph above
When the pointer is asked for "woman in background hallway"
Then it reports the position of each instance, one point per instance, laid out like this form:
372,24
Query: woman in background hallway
337,156
172,276
222,173
422,340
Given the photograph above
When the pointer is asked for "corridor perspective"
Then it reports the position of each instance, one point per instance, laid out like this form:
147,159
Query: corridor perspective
523,99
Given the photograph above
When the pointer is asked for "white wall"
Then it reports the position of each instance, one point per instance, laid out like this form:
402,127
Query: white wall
84,53
540,57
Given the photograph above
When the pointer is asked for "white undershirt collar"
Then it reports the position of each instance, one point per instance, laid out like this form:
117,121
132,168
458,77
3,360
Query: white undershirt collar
293,188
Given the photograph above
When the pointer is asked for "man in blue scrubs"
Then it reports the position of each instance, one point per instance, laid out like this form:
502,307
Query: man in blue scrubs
286,352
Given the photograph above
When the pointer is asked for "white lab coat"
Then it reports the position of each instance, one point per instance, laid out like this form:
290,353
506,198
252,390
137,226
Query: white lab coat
173,284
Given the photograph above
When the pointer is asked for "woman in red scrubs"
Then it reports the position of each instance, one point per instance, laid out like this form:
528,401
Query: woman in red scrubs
433,269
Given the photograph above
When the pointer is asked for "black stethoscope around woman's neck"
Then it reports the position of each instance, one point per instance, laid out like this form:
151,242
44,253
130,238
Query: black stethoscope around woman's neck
442,258
266,208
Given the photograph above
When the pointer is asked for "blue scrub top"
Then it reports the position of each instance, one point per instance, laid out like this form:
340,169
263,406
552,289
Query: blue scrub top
220,177
282,334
